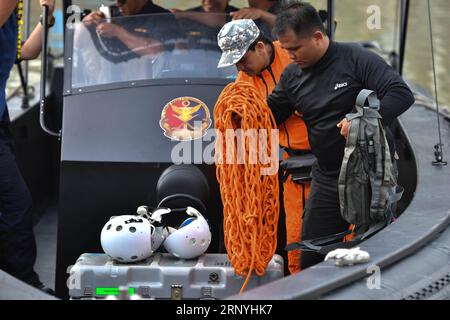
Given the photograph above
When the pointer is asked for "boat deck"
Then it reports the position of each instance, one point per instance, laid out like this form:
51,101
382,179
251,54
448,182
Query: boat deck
423,140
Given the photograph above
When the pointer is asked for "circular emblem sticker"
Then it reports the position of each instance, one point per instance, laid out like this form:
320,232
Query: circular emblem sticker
185,119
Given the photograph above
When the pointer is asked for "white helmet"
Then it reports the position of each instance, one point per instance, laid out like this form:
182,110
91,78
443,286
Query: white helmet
191,239
159,234
127,238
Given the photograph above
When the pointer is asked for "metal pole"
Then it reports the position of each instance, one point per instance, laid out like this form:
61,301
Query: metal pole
27,34
404,11
65,6
438,153
44,73
330,18
25,101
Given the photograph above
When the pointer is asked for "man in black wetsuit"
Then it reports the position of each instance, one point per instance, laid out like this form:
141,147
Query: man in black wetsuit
322,84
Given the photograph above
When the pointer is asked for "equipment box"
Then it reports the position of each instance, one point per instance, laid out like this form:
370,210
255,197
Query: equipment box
163,276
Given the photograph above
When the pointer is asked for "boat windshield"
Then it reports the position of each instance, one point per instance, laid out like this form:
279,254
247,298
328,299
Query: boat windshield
145,47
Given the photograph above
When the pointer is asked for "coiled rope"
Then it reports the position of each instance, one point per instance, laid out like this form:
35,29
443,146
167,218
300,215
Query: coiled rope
250,199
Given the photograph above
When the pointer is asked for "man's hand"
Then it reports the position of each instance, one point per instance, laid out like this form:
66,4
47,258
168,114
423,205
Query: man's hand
50,4
93,17
247,13
108,30
344,125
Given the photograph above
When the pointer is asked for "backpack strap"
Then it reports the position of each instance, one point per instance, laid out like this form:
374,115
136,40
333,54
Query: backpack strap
315,245
370,111
380,175
350,148
385,177
356,240
370,96
326,244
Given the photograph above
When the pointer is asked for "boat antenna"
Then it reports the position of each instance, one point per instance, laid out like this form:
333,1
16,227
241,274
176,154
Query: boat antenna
438,154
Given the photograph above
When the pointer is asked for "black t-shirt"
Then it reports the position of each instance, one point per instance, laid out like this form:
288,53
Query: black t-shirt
228,9
201,36
159,24
327,91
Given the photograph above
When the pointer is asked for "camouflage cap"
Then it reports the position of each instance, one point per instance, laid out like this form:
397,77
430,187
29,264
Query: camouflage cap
234,39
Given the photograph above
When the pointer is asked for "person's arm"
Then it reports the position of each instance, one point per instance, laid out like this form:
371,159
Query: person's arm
95,17
141,45
268,18
33,45
375,74
6,9
210,20
279,102
254,14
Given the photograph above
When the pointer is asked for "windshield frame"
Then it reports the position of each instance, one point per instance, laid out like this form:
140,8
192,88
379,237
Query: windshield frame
68,72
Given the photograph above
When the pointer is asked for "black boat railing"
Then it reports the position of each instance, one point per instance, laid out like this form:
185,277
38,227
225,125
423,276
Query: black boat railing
45,12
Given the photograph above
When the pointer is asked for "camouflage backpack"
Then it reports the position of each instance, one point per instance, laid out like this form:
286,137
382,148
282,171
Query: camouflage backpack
368,189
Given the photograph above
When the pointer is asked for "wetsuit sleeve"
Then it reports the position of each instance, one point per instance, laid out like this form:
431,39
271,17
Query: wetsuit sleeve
279,102
375,74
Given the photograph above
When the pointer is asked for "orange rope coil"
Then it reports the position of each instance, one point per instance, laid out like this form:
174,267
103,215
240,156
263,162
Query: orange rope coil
250,199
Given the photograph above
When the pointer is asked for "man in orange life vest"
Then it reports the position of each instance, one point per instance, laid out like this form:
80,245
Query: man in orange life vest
261,62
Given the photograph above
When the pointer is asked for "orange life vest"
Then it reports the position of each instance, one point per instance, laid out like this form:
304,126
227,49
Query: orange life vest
293,133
